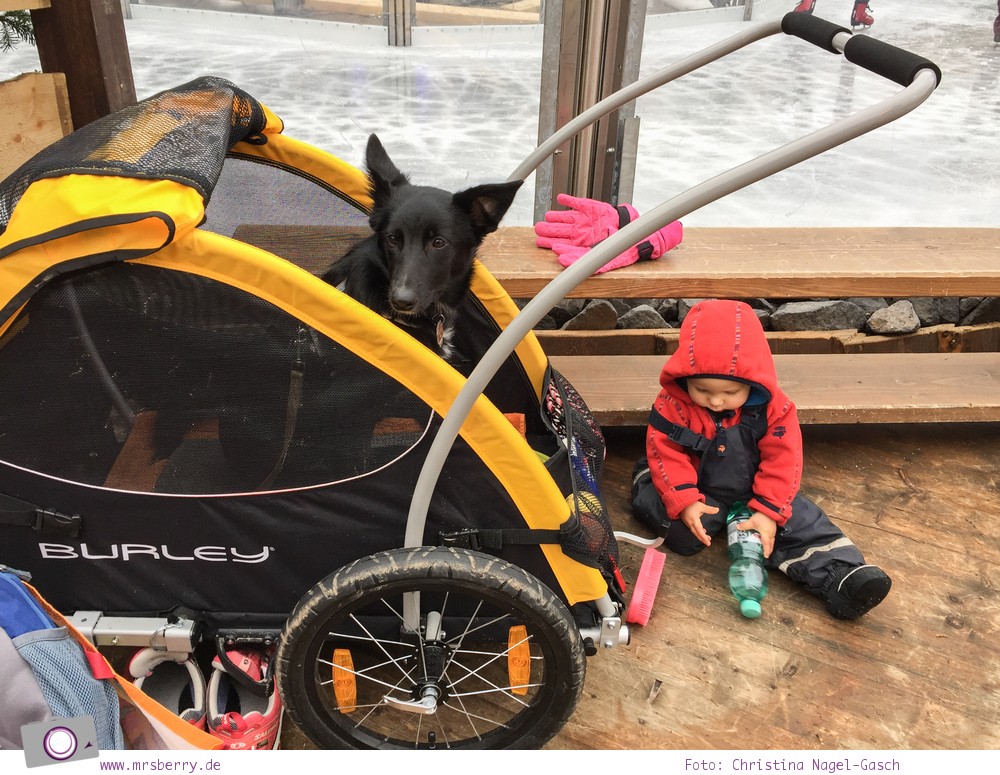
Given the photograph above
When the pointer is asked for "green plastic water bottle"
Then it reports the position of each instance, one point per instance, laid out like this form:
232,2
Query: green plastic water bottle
747,574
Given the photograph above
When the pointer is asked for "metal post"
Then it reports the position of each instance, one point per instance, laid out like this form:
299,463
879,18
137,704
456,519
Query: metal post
399,15
589,50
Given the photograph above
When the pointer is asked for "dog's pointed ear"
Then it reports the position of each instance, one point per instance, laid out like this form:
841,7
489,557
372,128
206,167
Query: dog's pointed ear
383,174
487,204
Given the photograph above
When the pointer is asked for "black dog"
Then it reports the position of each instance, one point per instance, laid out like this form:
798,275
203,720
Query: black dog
415,269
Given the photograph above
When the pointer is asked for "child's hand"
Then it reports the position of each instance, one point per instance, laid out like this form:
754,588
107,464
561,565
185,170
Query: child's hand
691,516
764,525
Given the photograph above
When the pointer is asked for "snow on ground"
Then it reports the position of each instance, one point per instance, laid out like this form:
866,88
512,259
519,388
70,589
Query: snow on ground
461,108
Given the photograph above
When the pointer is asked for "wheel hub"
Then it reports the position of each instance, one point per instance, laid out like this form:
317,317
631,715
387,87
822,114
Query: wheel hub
434,656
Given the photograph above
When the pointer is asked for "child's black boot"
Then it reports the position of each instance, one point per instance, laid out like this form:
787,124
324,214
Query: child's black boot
854,590
646,504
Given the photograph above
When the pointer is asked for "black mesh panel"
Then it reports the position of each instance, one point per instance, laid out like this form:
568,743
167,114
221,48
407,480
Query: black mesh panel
180,134
255,192
145,379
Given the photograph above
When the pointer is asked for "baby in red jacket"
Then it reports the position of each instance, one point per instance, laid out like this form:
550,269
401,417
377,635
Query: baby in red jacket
722,430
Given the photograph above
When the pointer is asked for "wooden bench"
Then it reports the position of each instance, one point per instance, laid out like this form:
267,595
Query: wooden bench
775,263
827,389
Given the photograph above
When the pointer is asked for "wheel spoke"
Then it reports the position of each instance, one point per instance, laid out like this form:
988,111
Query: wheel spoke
494,658
362,674
423,623
482,626
378,643
504,690
494,722
366,639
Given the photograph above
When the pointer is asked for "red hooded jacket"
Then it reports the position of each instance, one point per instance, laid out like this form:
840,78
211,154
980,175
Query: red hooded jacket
724,339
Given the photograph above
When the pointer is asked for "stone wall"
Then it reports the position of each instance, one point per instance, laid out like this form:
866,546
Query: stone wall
873,316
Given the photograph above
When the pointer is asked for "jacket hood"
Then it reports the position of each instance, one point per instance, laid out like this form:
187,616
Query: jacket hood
724,339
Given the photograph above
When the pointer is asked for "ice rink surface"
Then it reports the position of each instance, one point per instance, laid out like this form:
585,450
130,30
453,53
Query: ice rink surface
460,107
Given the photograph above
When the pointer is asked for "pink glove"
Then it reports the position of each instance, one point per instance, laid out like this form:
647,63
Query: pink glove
654,246
587,223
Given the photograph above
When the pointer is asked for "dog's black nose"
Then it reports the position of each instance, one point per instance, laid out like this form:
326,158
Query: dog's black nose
403,300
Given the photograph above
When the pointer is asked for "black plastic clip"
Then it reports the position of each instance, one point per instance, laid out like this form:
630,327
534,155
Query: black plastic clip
47,521
463,539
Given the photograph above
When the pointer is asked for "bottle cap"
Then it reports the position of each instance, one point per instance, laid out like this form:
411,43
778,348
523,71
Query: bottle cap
750,609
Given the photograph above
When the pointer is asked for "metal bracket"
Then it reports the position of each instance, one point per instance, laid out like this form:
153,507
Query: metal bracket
175,634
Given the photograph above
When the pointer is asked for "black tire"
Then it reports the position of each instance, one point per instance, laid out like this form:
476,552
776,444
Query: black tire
480,597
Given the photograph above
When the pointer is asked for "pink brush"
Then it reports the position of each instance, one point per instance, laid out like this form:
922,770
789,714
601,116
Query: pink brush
645,587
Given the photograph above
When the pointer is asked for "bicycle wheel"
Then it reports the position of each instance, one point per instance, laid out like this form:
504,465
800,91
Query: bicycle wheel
430,647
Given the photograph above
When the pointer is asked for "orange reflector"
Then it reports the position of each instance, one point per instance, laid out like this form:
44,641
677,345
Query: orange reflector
345,689
518,659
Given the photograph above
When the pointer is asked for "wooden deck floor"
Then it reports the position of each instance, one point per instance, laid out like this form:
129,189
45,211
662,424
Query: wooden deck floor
921,671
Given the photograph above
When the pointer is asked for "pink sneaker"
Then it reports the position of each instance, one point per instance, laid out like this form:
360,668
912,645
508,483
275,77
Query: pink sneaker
173,679
237,715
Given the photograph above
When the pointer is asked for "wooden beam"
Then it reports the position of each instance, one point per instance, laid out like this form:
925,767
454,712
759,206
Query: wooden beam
772,263
23,5
726,262
35,115
85,39
827,389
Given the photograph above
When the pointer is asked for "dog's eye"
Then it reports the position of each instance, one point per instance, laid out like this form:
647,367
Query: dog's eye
390,239
438,242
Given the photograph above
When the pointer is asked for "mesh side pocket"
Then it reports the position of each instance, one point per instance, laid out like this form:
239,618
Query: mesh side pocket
63,674
569,417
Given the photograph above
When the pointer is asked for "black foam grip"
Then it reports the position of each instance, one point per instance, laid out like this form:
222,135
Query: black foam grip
812,29
896,64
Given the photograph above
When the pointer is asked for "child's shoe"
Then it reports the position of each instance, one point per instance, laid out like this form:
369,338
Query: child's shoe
855,590
239,717
860,16
173,679
804,6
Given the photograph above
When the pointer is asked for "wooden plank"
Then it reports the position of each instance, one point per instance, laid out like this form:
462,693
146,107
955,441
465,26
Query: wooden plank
774,263
36,114
946,338
314,248
740,262
842,388
23,5
623,342
85,39
780,342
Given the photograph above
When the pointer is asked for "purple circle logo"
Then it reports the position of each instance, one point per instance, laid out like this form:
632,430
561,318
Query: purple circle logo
59,743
